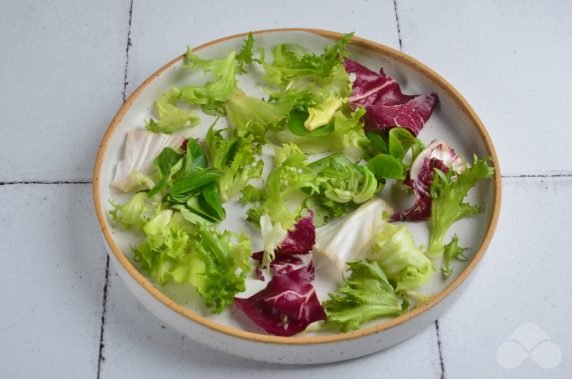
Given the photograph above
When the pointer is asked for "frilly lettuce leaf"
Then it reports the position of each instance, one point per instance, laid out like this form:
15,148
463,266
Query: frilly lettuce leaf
366,295
215,263
171,116
238,159
448,192
400,258
135,213
346,136
451,251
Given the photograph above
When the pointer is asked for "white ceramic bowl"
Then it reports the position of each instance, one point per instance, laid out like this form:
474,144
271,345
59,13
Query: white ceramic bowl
453,120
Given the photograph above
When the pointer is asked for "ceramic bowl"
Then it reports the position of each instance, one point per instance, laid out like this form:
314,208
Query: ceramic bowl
453,120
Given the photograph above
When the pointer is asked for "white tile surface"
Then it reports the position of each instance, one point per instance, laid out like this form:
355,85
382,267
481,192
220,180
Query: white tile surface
52,278
61,81
132,334
513,61
62,74
161,33
524,278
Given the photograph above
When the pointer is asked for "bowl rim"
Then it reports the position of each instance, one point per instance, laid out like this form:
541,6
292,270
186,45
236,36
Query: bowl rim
150,288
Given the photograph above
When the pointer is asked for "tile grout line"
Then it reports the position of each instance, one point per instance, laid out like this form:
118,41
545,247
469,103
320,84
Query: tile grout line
397,24
441,360
45,182
567,175
101,357
127,48
51,182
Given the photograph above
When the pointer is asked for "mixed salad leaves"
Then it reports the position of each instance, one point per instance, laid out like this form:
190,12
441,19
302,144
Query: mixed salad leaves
339,133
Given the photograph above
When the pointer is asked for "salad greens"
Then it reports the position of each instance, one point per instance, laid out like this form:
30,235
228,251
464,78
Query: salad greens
365,295
343,185
238,159
404,263
448,192
330,135
452,251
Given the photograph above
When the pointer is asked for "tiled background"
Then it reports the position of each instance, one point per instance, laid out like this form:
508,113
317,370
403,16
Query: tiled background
65,68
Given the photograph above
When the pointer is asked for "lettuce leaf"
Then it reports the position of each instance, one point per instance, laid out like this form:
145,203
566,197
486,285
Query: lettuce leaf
283,192
438,155
451,251
238,159
448,192
286,306
343,181
217,266
287,248
366,295
215,93
350,237
291,62
170,116
249,114
347,136
168,163
387,107
135,213
215,263
400,258
167,241
141,149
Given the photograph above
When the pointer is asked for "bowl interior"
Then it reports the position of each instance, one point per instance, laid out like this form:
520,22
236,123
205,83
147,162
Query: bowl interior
452,121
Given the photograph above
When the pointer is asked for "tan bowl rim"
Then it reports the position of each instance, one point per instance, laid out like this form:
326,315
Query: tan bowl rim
307,340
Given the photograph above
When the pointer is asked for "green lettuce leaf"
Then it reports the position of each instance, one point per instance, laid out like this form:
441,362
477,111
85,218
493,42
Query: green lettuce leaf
168,163
245,55
390,158
293,62
448,192
215,93
215,263
290,175
167,239
217,266
249,114
348,136
238,159
400,258
135,213
366,295
451,251
170,116
342,186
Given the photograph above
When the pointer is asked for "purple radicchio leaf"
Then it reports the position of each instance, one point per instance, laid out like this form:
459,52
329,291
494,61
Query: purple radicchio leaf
286,306
386,106
292,253
438,155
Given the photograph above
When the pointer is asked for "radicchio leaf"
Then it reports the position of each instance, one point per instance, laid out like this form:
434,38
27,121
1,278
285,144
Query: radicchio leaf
301,238
286,306
284,263
386,106
292,253
438,155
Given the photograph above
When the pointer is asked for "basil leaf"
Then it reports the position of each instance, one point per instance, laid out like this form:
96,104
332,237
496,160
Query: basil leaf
168,163
378,145
195,157
401,140
386,166
190,185
212,201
